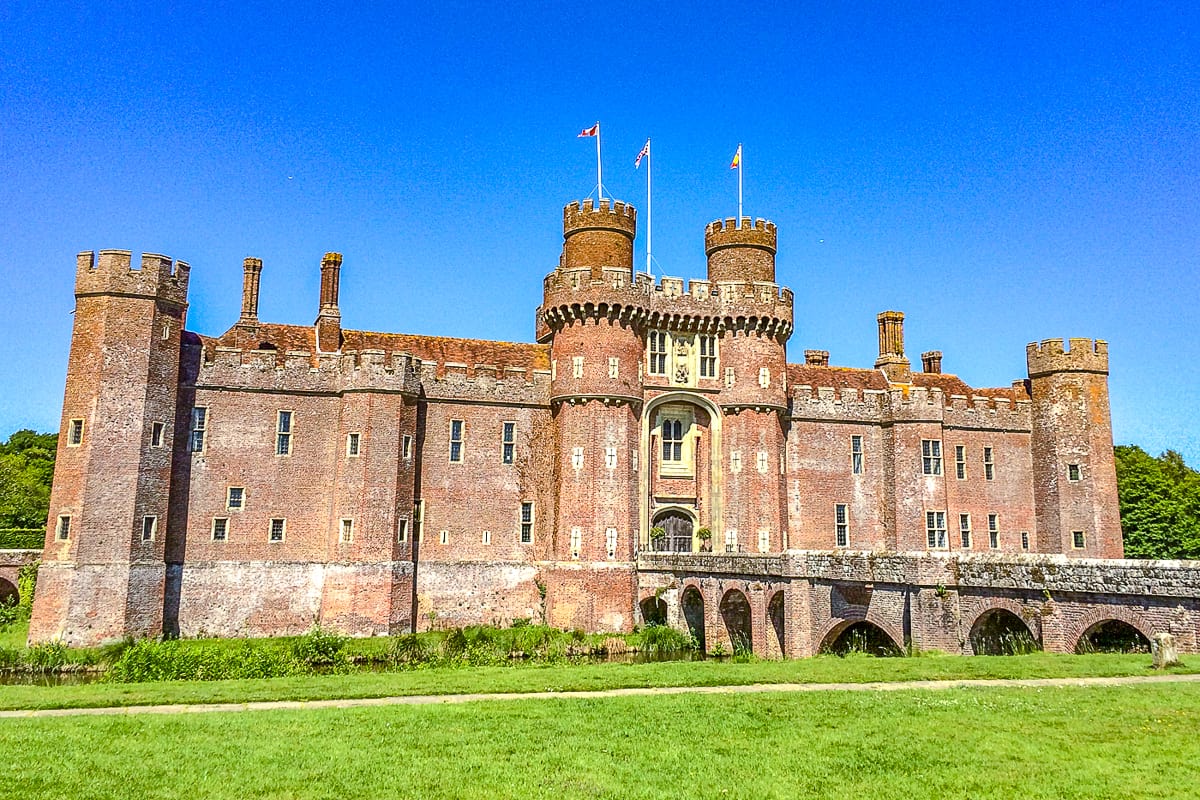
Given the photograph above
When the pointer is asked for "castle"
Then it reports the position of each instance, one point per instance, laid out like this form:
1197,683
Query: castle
653,454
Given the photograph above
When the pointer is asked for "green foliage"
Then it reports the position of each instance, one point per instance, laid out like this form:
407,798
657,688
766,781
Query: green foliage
22,538
322,649
1160,504
659,639
26,472
153,660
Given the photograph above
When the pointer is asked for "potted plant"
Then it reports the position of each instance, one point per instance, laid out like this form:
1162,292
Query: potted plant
705,537
658,538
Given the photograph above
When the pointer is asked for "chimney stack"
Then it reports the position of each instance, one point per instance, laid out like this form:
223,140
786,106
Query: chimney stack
931,362
891,348
816,358
251,273
329,318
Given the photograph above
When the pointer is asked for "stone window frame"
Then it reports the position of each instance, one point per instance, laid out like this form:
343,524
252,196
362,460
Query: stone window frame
406,442
994,531
219,533
576,367
241,498
964,531
960,462
577,458
1074,472
419,519
679,461
735,462
989,463
1078,540
762,461
1024,540
525,522
346,530
75,432
764,540
353,444
935,531
456,431
707,347
610,458
657,349
149,527
402,530
764,377
614,367
730,377
443,537
487,537
284,428
198,438
62,528
157,433
931,456
841,525
277,530
508,441
857,457
576,542
610,542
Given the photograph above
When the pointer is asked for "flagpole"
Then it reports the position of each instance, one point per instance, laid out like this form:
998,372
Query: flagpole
599,166
649,164
739,220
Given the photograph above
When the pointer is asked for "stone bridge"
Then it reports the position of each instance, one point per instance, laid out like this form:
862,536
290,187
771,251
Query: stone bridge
11,562
797,603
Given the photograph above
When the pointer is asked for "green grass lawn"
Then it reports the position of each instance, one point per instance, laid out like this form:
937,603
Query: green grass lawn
565,677
1114,742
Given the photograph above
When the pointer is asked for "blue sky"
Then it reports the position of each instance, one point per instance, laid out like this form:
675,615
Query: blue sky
999,174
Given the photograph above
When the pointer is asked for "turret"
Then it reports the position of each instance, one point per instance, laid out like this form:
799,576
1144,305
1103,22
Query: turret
598,236
891,348
329,318
740,253
103,569
1075,484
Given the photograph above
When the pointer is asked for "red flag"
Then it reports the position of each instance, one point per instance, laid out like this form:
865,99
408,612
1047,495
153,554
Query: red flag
592,131
637,162
737,158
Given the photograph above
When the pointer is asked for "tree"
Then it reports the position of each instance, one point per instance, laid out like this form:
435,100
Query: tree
26,472
1160,504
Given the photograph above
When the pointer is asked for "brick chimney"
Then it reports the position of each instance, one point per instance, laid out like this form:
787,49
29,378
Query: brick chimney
816,358
329,318
891,348
251,273
931,362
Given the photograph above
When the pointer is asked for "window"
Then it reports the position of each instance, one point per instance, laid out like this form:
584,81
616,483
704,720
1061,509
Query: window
856,455
708,356
633,460
614,367
346,531
764,540
220,529
993,531
487,537
554,369
352,444
731,544
419,519
1024,540
62,531
74,433
577,457
156,434
935,530
277,530
576,542
1074,473
610,457
166,332
729,378
406,447
1077,540
149,527
402,530
735,461
235,498
444,537
526,523
456,441
931,456
964,529
577,366
283,434
657,342
764,377
841,526
989,465
508,442
960,462
610,542
672,440
199,428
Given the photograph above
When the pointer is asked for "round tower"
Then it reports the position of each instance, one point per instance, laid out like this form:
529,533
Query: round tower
598,236
740,253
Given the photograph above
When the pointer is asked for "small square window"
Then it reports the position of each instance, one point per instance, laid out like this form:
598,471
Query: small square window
220,529
62,531
346,531
841,526
526,523
156,434
283,433
277,530
1074,472
235,500
149,527
1077,540
402,530
856,455
406,447
74,433
456,441
352,444
508,442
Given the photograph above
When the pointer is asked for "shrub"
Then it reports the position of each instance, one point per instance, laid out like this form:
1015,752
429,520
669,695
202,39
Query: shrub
46,657
320,648
665,639
410,650
22,538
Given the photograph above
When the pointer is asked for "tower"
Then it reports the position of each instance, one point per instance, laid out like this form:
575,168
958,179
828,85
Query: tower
1074,477
103,566
595,349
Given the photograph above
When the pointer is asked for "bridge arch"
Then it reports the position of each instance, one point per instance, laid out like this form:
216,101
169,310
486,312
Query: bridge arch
654,610
873,628
738,619
691,605
776,620
1000,631
1088,624
9,594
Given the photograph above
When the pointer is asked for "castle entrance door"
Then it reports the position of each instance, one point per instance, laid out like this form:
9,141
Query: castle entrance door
679,530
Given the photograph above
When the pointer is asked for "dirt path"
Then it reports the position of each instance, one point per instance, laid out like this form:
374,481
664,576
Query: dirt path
757,688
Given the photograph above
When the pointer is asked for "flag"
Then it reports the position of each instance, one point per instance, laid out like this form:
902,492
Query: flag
737,158
592,131
637,162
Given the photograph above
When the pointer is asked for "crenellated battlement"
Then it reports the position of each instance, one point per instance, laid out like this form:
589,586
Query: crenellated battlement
722,233
302,371
112,272
1081,355
908,404
608,215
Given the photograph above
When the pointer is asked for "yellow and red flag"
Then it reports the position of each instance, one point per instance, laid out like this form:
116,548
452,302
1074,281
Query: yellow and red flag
737,158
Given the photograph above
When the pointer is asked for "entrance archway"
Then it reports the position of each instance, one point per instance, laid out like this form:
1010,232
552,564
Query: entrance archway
654,611
859,637
735,612
678,527
1000,632
775,616
692,603
9,596
1112,636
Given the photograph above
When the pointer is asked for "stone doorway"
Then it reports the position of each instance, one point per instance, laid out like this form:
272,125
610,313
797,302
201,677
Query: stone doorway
678,527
